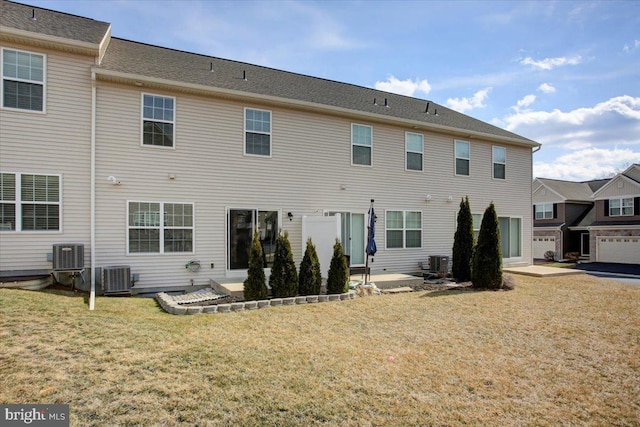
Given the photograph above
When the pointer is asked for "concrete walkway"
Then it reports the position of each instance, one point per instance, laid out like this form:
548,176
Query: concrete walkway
542,271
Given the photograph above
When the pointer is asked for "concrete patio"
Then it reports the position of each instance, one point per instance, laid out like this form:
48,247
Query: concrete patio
542,271
382,281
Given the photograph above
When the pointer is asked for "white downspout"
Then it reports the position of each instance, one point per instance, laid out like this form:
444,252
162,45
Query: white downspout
533,151
92,295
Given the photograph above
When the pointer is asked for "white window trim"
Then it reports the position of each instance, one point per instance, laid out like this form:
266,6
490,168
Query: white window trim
43,82
544,210
455,157
18,204
406,151
404,229
622,206
476,232
270,133
243,272
494,162
361,145
161,228
521,248
142,119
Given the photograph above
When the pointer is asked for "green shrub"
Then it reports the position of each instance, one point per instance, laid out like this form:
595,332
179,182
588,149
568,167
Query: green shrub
255,285
338,280
486,268
284,277
463,242
310,277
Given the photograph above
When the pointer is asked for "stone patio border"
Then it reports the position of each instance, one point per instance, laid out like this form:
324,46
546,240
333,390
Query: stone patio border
169,304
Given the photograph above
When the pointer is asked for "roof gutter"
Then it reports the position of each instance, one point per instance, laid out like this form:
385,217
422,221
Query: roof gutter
141,80
52,42
550,228
612,226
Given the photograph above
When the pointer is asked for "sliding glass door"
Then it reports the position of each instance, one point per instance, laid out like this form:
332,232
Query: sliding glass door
241,225
352,235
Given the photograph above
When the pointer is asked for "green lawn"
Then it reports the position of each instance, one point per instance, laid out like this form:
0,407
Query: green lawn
561,351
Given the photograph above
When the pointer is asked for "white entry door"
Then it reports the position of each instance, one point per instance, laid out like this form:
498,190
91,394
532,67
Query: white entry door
352,235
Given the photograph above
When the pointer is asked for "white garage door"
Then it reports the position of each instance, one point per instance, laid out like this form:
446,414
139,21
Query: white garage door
542,245
625,250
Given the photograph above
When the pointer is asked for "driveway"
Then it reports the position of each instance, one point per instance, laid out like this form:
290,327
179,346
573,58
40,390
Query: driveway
625,273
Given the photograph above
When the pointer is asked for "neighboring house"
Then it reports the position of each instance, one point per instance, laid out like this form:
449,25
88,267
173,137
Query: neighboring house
598,219
161,159
615,233
558,208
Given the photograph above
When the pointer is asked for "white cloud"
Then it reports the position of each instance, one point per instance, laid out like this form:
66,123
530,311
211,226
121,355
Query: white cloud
597,138
630,47
524,102
546,88
623,107
406,87
465,104
550,63
585,164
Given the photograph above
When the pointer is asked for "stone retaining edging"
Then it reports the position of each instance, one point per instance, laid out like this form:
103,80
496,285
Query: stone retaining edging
169,305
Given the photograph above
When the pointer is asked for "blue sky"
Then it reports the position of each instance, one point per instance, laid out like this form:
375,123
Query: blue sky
563,73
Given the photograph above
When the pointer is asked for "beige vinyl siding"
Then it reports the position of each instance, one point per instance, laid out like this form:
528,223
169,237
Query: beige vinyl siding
311,160
548,196
612,190
58,143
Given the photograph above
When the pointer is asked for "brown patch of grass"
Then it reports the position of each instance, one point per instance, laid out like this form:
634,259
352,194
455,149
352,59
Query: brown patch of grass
554,351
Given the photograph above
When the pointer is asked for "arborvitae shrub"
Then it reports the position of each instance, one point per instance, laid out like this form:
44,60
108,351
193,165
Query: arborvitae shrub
463,242
338,280
255,285
486,268
284,277
310,277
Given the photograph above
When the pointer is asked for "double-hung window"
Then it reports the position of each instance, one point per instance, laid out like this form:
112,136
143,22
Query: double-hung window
158,120
414,146
361,144
499,163
160,227
544,211
23,80
463,152
403,229
621,207
29,202
257,132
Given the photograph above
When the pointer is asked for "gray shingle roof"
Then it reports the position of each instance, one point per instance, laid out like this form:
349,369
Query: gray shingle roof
588,219
193,69
576,191
52,23
596,184
182,67
633,172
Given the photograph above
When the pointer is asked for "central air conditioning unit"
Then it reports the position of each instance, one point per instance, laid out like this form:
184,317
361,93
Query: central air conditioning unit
439,264
116,279
68,256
